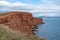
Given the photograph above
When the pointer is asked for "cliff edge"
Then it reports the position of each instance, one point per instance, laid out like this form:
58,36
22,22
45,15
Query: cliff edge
20,21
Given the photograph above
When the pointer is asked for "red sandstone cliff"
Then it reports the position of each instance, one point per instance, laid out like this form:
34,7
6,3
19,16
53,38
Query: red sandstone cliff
22,21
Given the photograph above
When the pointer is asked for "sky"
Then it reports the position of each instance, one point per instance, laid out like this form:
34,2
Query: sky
36,7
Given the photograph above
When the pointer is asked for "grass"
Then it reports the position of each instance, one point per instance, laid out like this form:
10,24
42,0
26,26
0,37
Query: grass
7,35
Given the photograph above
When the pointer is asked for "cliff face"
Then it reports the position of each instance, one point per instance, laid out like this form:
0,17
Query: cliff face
20,21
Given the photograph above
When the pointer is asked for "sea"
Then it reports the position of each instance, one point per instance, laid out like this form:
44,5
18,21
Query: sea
50,30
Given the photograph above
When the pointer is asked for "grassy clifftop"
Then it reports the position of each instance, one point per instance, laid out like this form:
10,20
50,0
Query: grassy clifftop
7,35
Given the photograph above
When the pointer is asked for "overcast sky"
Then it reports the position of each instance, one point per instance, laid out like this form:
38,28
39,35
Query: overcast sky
43,7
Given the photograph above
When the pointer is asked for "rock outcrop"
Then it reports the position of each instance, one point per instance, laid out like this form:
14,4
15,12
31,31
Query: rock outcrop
20,21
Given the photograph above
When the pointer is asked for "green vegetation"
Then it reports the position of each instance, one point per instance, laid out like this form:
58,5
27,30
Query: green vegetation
5,35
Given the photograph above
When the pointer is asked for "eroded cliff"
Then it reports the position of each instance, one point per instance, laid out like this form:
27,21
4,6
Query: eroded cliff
20,21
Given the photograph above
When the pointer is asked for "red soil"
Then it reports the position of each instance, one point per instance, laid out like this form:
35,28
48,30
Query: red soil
22,21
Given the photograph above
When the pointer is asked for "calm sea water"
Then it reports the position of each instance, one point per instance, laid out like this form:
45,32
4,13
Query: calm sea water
50,30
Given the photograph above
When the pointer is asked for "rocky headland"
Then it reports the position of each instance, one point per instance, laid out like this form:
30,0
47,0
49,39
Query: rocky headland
23,22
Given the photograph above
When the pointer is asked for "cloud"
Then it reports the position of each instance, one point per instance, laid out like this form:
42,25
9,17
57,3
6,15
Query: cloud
16,6
57,1
6,3
47,14
45,7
